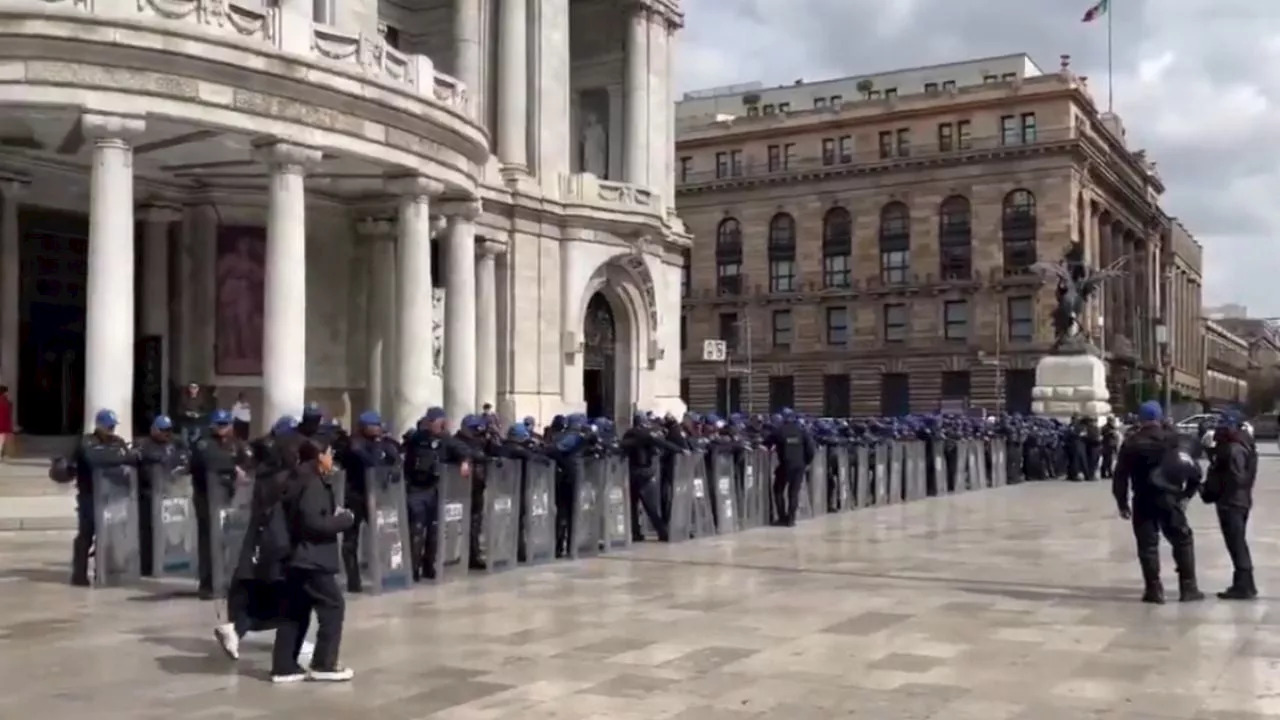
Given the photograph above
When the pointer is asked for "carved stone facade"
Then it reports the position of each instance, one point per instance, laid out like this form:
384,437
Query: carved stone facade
417,244
874,257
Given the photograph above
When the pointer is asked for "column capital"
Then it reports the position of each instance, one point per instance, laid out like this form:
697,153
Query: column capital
13,189
160,213
286,157
376,228
467,210
107,128
418,186
486,248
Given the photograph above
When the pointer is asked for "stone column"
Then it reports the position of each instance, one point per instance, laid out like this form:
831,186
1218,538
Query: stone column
11,192
637,87
466,52
155,284
109,311
284,318
513,83
487,324
414,315
380,314
460,309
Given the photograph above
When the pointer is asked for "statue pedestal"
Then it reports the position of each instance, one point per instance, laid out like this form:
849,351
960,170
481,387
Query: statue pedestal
1069,385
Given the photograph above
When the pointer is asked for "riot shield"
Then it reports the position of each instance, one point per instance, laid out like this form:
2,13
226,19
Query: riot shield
939,465
230,510
862,475
615,515
173,524
724,498
976,466
338,482
585,529
702,517
538,511
748,487
680,524
841,479
893,468
914,479
880,473
960,482
501,514
999,462
816,480
386,542
117,555
453,525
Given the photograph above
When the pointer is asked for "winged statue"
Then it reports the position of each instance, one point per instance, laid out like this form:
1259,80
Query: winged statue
1077,283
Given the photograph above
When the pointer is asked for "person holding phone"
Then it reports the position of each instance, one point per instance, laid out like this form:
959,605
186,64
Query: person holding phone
315,521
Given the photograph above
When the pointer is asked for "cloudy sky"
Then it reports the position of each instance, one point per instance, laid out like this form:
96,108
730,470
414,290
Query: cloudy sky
1194,82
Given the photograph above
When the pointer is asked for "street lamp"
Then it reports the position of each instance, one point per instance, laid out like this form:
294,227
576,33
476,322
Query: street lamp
1166,379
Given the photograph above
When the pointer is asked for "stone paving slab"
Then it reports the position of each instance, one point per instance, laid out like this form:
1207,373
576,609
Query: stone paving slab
1011,604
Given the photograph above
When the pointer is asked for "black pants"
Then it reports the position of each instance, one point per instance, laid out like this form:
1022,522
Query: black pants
566,498
424,508
351,542
204,542
477,539
645,494
786,494
1234,522
241,429
1167,517
1108,461
86,527
308,591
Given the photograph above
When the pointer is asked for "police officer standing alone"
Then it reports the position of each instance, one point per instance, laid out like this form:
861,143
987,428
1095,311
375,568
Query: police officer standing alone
158,457
1233,465
367,450
221,459
99,450
796,449
1162,476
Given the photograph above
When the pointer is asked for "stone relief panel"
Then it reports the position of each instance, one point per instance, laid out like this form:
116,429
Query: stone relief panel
238,286
634,263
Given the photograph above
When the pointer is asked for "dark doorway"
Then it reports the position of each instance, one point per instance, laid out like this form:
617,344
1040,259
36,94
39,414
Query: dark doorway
54,267
599,335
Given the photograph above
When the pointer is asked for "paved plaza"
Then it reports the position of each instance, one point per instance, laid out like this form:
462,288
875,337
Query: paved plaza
1013,603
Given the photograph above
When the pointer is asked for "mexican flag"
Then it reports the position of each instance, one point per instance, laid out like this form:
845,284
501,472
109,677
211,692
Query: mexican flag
1096,11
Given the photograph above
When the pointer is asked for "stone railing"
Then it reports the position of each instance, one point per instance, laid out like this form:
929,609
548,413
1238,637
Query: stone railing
372,55
587,189
249,19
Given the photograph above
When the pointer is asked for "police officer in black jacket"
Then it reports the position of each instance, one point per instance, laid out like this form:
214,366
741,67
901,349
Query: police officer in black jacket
223,459
159,455
368,449
99,450
1233,466
644,449
796,449
427,449
1162,475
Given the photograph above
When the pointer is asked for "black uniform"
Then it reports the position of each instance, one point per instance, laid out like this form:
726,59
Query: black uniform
644,451
796,449
1233,467
425,454
158,458
358,455
1162,476
215,459
96,451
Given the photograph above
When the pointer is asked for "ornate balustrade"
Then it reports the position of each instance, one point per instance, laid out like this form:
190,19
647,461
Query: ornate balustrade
587,189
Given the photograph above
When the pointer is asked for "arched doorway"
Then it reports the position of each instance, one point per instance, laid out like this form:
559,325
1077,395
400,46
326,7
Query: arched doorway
600,357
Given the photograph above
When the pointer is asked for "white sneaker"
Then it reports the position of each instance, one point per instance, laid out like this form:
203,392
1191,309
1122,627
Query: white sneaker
335,675
228,640
290,678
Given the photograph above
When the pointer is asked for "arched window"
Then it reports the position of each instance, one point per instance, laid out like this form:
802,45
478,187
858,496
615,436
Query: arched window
955,238
729,257
782,254
895,243
837,248
1018,232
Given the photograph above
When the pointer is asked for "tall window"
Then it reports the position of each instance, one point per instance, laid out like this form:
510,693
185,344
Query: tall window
1018,232
955,239
964,134
775,158
686,272
955,320
838,327
895,243
955,385
1021,319
729,330
1028,121
946,137
728,395
782,254
837,248
886,144
897,322
782,329
686,167
729,257
837,392
828,151
895,394
782,392
1009,130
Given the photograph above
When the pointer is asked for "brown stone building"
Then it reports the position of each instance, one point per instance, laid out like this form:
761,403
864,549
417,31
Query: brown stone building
873,256
1264,359
1226,366
1183,298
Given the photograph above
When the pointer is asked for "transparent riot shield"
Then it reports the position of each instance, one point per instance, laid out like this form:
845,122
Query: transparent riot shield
338,482
724,498
538,511
841,481
117,555
173,523
584,530
386,542
453,525
230,509
914,478
939,468
975,465
960,482
861,476
750,511
702,521
615,517
816,482
680,523
999,462
501,514
880,473
897,466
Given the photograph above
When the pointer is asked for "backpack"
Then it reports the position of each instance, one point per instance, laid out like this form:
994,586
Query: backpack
274,540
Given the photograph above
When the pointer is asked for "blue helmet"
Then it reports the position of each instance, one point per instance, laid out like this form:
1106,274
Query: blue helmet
106,419
369,418
518,432
162,423
284,424
220,417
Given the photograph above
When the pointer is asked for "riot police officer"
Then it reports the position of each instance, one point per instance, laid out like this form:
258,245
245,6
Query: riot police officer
369,448
796,449
223,459
159,455
427,449
643,450
99,450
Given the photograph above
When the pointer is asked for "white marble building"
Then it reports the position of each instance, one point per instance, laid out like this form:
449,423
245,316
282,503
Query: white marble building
154,129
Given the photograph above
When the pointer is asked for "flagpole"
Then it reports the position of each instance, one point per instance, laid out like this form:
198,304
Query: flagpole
1110,76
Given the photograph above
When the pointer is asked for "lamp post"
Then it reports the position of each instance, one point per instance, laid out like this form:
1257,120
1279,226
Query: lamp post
1166,379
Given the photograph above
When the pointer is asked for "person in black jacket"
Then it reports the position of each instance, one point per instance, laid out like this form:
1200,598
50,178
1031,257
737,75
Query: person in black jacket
1233,465
99,450
796,449
314,523
644,451
1162,476
368,449
159,455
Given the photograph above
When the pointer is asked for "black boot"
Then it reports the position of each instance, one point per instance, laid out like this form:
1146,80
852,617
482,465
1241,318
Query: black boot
1153,588
1242,587
1188,589
1184,556
80,562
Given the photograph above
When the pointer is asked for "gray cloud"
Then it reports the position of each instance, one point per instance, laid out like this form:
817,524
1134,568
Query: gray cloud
1193,83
